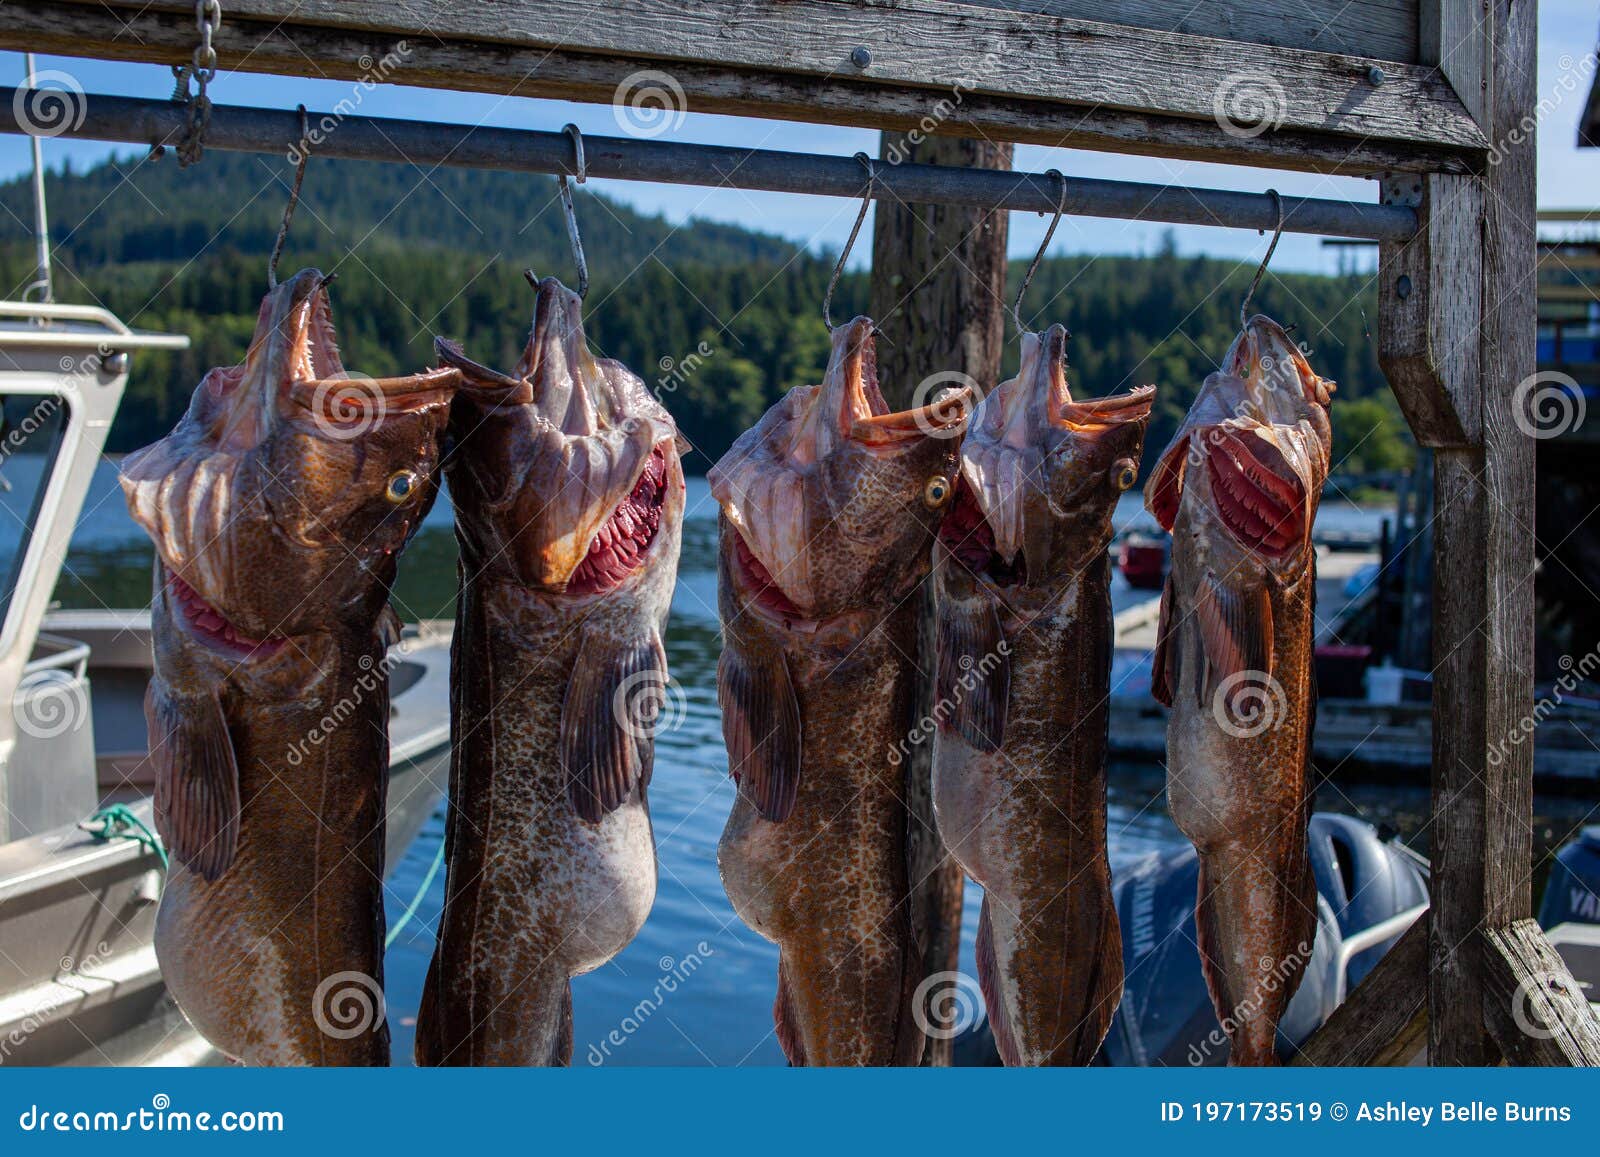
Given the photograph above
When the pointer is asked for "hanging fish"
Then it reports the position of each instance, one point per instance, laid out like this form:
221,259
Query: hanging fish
1238,488
569,496
829,508
278,506
1025,641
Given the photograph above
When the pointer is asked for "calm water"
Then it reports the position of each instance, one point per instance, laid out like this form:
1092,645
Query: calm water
723,974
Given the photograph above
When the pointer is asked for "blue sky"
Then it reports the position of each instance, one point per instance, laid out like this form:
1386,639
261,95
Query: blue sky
1567,177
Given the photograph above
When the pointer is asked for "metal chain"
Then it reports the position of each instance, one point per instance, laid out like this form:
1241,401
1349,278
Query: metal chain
203,69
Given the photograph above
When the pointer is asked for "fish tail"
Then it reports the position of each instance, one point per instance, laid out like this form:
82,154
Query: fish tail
1005,1041
561,1053
1254,960
428,1049
1089,998
785,1017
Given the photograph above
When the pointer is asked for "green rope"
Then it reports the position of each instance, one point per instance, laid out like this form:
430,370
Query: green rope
416,901
118,822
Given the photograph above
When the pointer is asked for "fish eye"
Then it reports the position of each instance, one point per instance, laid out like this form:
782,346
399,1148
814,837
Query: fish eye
1125,472
401,485
937,492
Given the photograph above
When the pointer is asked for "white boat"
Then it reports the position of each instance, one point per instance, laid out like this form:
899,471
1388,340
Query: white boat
79,886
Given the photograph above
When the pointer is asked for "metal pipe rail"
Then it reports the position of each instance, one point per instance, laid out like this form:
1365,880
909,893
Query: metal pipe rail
241,129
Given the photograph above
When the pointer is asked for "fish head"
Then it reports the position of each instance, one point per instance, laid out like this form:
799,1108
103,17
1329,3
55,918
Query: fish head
1041,473
567,473
279,503
1253,453
833,500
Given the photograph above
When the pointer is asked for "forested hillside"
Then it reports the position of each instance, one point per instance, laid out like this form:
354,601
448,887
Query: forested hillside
719,318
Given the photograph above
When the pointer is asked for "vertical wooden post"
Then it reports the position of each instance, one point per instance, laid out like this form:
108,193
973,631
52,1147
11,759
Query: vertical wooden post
938,280
1481,836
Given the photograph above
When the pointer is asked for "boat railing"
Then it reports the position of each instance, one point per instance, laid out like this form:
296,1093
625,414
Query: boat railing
63,654
113,332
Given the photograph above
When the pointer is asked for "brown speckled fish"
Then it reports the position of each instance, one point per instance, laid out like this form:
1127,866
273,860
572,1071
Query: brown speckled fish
829,508
1238,487
278,506
1025,639
569,498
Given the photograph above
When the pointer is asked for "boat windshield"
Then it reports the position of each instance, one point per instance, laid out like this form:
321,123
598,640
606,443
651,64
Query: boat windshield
31,430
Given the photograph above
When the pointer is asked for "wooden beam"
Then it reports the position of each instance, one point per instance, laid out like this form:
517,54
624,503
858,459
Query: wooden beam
1482,829
1429,305
1386,29
1537,1012
936,44
1451,37
1385,1020
770,63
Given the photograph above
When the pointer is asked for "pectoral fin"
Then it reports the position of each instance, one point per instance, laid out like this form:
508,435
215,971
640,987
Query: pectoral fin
760,725
197,780
1164,664
974,672
609,719
1236,632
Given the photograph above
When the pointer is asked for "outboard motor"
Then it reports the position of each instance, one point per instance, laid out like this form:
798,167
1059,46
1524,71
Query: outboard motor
1573,894
1368,892
1364,888
1166,1016
1366,881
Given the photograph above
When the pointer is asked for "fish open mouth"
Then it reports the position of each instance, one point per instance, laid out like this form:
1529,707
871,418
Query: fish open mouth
622,542
208,624
967,535
761,588
1256,493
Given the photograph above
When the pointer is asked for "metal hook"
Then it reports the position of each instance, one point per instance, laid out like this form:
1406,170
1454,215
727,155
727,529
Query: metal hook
294,200
844,254
581,169
1027,278
1261,270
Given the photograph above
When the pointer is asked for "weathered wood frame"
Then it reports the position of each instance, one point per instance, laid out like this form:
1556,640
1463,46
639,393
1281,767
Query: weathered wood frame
1432,93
